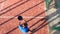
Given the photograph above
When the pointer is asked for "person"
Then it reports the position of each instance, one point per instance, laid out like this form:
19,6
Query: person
23,26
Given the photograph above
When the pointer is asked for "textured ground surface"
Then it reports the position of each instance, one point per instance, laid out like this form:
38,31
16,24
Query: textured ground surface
31,10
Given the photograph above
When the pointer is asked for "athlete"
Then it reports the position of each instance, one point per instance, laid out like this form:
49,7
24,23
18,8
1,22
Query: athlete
23,26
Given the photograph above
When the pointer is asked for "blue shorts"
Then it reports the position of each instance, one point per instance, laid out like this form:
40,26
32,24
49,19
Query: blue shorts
24,30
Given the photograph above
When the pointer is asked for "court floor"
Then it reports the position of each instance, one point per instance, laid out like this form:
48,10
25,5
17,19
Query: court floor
32,11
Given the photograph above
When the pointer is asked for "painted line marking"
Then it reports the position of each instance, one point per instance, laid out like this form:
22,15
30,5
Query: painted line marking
23,17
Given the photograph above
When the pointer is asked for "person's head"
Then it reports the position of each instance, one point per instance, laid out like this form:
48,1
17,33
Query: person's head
20,18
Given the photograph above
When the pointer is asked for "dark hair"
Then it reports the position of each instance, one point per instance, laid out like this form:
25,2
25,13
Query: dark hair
20,18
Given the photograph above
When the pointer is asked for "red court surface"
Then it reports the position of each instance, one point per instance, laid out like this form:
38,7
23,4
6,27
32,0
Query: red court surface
32,11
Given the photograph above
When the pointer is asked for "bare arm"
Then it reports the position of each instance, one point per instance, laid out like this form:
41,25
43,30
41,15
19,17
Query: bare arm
23,22
19,23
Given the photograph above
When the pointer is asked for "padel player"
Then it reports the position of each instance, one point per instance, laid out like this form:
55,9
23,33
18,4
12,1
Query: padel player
23,26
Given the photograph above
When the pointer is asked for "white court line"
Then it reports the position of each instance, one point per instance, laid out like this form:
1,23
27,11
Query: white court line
16,17
2,5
